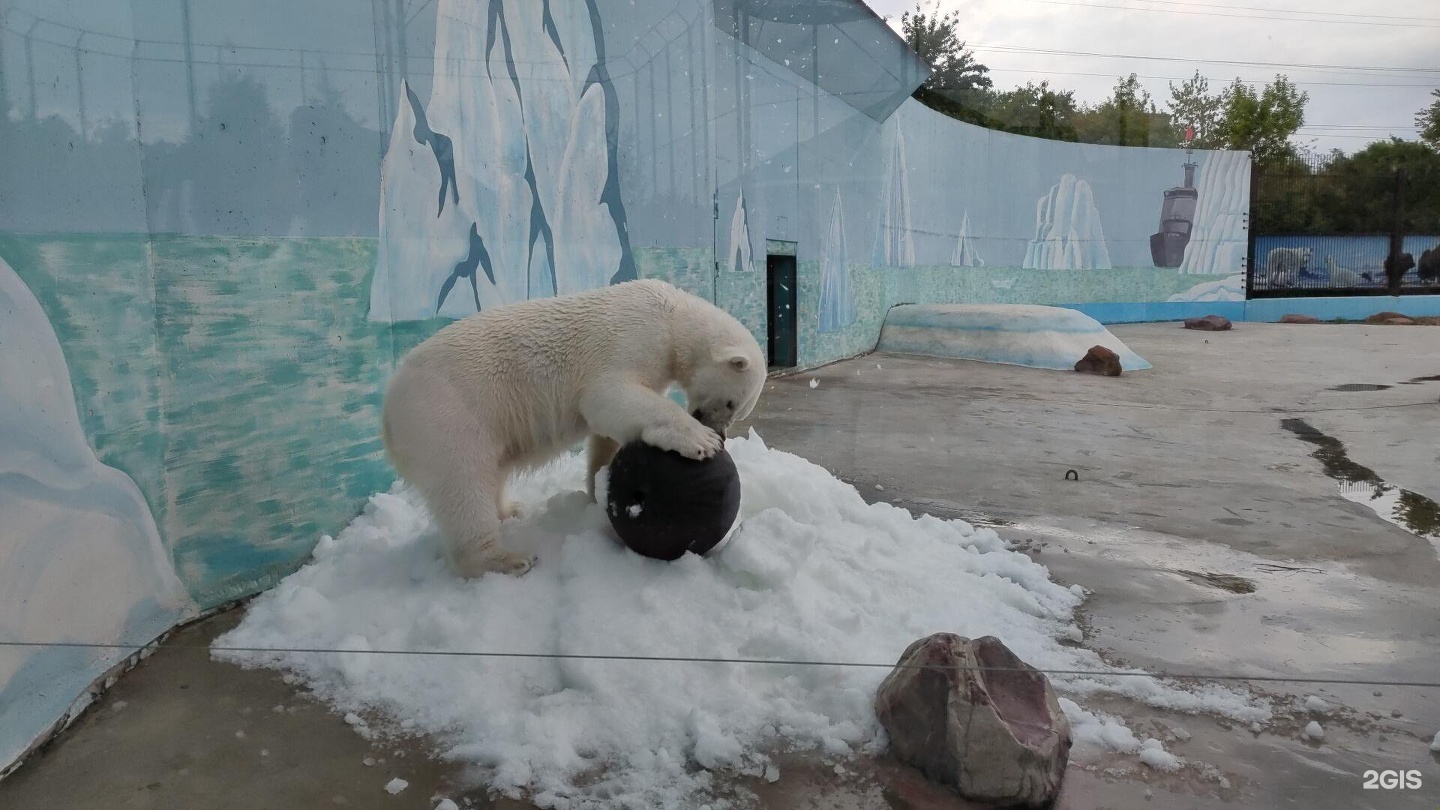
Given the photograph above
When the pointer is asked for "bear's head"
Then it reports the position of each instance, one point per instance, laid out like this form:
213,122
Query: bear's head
725,386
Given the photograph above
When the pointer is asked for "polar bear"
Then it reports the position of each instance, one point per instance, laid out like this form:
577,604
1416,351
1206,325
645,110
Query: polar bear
510,388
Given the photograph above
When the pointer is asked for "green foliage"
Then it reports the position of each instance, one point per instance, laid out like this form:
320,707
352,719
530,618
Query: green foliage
956,75
1128,118
1191,104
1428,120
1351,194
1263,122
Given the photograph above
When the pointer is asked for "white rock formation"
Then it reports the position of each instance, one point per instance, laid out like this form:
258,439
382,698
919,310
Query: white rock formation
532,162
80,556
1068,235
1218,238
837,299
895,243
965,255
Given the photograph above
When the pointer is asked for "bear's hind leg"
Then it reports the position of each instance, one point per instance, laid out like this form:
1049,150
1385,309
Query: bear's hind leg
464,504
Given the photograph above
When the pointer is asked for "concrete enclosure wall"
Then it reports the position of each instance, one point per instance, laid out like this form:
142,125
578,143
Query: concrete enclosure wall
222,222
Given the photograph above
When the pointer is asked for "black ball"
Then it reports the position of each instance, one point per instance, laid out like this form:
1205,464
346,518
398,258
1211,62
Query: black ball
663,504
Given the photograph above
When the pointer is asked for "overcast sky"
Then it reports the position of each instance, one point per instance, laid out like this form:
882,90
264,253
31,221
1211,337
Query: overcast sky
1351,102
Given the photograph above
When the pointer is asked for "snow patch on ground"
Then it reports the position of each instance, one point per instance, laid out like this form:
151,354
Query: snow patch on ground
812,574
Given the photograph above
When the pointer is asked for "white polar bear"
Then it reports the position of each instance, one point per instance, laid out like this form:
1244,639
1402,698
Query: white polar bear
510,388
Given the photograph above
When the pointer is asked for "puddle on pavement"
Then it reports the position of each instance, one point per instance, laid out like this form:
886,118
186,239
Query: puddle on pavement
1409,510
1418,380
1359,387
1225,582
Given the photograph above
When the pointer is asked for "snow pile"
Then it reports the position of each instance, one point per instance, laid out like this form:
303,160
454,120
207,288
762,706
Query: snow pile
1314,704
1313,731
812,573
1230,288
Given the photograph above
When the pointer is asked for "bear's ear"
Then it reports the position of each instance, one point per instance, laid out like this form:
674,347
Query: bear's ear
738,362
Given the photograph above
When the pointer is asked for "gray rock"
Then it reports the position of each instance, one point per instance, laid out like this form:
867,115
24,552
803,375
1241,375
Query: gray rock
996,735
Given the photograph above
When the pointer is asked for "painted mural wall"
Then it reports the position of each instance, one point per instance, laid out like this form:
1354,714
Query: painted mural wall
222,222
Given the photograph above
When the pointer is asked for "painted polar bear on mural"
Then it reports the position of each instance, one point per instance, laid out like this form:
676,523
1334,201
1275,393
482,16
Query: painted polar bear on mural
1283,266
510,388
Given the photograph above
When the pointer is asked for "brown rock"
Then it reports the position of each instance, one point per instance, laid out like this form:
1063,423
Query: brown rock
1399,321
1293,318
1209,323
1383,317
995,734
1099,360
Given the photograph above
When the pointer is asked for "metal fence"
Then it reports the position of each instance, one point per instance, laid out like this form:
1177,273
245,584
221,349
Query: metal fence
1327,227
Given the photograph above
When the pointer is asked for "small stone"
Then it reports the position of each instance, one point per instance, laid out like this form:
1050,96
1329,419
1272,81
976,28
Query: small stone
880,488
1313,731
1099,360
1395,713
972,715
1209,323
368,762
1180,733
772,772
394,786
1315,705
1376,694
1297,318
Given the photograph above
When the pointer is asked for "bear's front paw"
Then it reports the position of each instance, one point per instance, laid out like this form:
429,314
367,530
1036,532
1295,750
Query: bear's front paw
692,440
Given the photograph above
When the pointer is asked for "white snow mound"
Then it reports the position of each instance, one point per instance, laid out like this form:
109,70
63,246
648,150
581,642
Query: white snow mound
813,573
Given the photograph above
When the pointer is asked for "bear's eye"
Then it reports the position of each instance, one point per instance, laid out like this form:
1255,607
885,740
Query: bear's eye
730,403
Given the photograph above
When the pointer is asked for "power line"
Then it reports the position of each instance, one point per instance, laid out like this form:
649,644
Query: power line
1272,9
1243,63
1362,21
1371,85
665,659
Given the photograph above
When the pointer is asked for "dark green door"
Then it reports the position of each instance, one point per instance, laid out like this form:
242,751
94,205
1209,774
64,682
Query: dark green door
780,300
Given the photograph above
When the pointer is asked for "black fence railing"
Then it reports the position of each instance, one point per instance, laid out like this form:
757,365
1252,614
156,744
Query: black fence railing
1331,228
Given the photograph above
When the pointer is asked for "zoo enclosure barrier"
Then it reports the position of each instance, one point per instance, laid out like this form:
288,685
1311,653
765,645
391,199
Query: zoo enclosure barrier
1325,226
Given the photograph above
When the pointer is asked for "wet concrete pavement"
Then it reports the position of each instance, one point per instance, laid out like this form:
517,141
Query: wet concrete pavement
1186,471
1190,493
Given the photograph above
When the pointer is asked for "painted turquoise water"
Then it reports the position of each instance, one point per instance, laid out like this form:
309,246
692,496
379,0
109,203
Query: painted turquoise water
239,383
236,380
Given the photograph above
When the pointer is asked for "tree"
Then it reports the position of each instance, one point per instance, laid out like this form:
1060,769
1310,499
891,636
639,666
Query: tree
1191,104
1036,110
956,75
1428,120
1128,118
1262,122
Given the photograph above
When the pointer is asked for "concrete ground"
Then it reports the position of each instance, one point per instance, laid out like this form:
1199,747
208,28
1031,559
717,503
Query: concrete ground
1190,492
